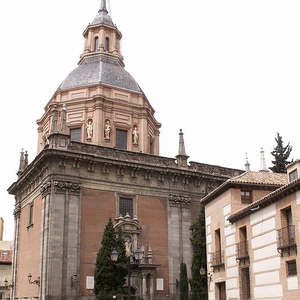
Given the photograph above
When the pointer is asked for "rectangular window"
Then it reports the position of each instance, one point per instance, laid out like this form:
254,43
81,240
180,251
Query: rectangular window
246,196
242,246
75,134
126,206
293,175
121,139
30,214
291,268
1,296
245,291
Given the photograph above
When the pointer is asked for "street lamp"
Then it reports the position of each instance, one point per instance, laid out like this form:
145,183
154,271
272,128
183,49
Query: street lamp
133,261
73,280
37,281
203,273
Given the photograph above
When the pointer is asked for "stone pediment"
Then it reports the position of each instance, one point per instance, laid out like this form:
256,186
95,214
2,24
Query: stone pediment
128,225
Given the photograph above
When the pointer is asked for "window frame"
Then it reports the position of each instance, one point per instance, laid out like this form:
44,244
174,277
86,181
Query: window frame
72,130
30,214
291,271
118,141
293,175
96,43
246,199
107,44
133,198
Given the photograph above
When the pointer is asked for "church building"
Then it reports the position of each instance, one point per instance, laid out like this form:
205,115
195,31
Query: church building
98,157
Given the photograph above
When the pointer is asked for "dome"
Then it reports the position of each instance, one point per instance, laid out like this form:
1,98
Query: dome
97,70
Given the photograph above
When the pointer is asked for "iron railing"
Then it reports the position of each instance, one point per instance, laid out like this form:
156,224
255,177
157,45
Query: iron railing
286,236
242,250
217,258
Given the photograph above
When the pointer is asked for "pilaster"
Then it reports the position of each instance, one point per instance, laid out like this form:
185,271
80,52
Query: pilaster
60,239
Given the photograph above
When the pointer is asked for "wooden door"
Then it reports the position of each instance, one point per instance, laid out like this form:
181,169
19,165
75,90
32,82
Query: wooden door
222,291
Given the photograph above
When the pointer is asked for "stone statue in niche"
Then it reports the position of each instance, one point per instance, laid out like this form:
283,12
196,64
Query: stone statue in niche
89,130
128,247
107,129
135,136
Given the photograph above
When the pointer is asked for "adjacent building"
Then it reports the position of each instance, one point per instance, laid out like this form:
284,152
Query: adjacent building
252,232
98,157
6,250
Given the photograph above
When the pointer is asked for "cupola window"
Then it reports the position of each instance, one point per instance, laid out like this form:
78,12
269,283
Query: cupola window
75,134
107,44
121,139
96,43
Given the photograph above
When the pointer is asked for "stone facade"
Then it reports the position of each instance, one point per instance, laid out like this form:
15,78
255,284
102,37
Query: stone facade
75,190
98,145
5,265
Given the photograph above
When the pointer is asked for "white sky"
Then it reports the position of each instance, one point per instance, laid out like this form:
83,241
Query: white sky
226,72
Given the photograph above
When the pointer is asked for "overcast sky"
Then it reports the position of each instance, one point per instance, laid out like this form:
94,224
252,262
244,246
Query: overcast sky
226,72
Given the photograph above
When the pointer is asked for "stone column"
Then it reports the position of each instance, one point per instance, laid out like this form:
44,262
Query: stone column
151,287
144,286
62,243
178,231
44,238
17,213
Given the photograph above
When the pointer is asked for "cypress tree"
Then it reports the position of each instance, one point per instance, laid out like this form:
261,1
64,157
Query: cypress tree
108,278
183,282
198,240
281,154
122,262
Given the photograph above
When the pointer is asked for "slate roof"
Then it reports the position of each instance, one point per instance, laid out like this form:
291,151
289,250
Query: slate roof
96,70
103,18
271,180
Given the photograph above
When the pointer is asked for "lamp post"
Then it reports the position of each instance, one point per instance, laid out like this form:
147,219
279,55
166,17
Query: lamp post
134,260
36,281
204,285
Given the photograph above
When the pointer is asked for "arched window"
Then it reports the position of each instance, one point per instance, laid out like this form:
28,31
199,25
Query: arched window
107,44
96,43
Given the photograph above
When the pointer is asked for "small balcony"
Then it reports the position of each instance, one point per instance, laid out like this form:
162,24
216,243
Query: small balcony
217,259
242,251
286,239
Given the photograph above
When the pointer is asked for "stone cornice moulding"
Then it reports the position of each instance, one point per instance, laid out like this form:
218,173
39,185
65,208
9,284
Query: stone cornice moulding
60,187
177,200
144,169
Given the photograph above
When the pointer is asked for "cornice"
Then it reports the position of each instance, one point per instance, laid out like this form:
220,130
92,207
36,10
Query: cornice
91,163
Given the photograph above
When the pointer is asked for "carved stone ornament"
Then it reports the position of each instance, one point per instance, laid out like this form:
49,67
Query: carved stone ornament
121,155
62,187
179,200
46,188
17,210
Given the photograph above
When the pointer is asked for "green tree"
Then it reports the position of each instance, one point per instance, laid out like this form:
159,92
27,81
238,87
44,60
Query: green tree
198,240
183,282
109,278
281,154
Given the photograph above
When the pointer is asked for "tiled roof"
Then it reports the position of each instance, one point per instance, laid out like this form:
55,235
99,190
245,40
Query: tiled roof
260,178
266,200
272,180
